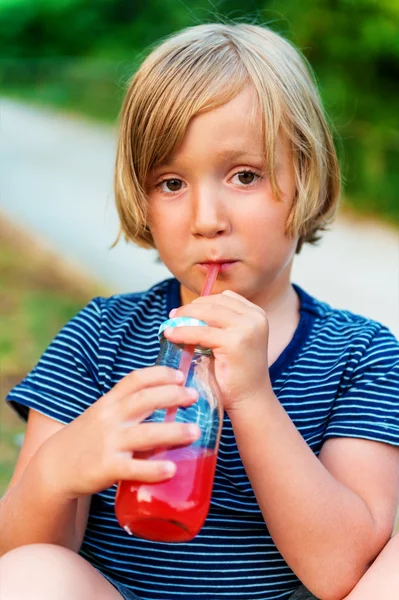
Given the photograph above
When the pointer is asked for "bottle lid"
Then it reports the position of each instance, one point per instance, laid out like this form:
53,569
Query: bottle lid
179,322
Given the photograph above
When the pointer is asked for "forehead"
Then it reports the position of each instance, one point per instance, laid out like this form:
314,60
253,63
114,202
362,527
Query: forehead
239,118
223,155
228,132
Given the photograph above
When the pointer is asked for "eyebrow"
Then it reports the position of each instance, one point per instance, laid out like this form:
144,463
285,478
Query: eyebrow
223,155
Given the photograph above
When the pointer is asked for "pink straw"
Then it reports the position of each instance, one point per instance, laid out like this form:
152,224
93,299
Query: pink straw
213,271
188,350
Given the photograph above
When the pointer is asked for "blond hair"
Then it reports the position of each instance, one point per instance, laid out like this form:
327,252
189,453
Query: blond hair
201,68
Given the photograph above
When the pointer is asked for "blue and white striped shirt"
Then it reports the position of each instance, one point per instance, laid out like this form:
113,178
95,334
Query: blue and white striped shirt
339,376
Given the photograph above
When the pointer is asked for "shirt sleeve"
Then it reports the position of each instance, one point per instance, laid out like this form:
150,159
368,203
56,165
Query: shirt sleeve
368,404
65,381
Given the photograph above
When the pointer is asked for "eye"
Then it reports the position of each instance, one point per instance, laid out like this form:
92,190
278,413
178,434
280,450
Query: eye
246,177
172,185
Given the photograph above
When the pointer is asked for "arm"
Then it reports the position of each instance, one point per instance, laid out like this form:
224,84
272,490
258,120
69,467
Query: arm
60,467
338,509
330,516
31,511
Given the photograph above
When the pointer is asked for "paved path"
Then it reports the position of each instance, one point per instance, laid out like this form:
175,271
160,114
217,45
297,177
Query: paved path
56,180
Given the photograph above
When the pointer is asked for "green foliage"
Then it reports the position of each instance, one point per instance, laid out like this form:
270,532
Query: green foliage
353,46
78,54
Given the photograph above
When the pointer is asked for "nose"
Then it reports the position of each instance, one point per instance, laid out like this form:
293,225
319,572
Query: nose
210,216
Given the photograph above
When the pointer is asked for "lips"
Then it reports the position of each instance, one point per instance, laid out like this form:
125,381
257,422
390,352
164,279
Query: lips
225,264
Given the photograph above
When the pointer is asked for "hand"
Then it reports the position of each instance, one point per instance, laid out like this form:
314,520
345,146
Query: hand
95,450
237,332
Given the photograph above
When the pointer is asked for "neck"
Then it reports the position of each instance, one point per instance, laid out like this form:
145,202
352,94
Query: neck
281,303
283,315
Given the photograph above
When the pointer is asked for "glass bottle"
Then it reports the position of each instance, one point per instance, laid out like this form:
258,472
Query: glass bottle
176,509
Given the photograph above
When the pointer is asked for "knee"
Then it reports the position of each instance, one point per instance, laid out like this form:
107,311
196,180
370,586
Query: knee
39,571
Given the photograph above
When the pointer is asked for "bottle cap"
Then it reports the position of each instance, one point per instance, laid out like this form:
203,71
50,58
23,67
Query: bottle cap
180,322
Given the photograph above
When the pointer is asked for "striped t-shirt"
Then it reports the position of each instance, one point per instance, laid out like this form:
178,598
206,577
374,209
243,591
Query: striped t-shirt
339,376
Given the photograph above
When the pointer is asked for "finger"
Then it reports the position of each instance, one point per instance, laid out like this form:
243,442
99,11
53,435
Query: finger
139,405
233,296
146,471
223,300
148,436
215,314
146,378
232,300
207,337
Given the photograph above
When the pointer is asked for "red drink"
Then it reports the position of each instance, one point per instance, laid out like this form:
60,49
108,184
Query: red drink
173,510
176,509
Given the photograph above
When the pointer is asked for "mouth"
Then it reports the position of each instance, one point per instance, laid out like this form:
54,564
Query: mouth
224,265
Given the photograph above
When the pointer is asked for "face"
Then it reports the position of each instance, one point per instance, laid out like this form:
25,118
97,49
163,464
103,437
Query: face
212,202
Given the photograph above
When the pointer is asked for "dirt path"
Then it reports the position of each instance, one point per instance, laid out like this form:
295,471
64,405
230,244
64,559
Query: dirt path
56,180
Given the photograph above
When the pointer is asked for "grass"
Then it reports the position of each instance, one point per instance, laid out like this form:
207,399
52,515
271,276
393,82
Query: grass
39,293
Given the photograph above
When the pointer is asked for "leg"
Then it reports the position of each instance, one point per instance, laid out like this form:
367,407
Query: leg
46,572
382,578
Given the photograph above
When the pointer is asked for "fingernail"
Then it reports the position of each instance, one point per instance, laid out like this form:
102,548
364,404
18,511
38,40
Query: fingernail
179,376
173,312
193,431
192,393
168,468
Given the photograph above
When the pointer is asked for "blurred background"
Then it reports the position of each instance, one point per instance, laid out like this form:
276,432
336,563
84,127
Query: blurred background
64,66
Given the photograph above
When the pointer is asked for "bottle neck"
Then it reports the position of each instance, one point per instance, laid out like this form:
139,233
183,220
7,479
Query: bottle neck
170,353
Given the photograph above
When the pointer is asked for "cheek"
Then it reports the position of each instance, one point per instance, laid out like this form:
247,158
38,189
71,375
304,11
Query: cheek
267,227
168,231
270,216
285,179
